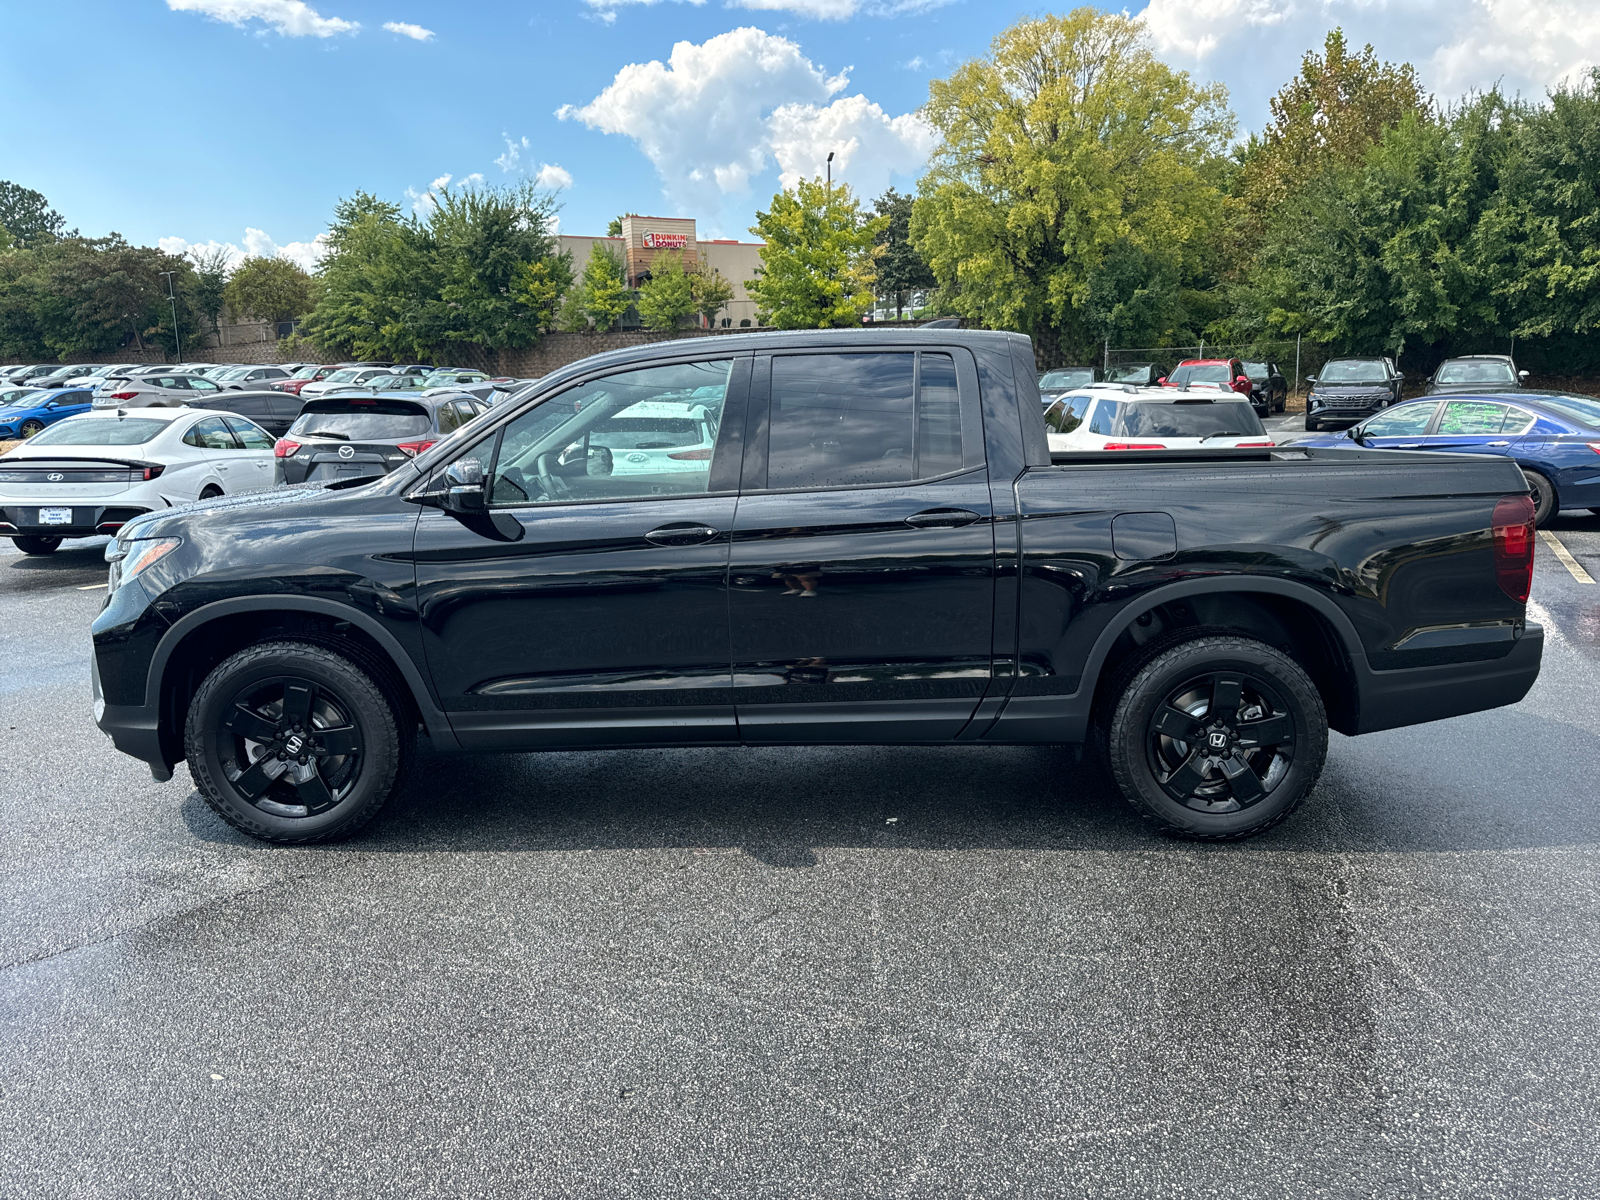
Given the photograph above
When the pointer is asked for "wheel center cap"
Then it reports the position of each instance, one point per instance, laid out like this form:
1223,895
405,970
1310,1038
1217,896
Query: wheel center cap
296,744
1218,739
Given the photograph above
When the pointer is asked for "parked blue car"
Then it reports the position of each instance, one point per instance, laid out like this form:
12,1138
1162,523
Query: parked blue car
1553,436
26,415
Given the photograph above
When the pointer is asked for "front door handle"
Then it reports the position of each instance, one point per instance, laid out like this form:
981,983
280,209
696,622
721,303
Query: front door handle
681,533
1497,443
942,518
1406,445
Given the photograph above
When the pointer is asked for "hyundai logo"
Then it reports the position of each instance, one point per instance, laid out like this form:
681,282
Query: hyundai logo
347,451
55,477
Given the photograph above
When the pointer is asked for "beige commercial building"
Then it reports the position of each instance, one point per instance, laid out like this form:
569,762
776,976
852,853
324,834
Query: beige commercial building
645,237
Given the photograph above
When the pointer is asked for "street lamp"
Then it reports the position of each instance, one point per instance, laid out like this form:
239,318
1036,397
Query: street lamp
172,296
830,176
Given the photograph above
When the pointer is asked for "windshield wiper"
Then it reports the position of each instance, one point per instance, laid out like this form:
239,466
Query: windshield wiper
1224,433
338,437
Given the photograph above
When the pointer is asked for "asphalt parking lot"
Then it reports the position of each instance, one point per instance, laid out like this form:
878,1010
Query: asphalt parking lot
825,972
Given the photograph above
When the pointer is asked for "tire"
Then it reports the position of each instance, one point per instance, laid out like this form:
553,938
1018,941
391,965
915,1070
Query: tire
1544,496
29,544
1282,403
29,428
210,492
1161,707
1312,425
244,717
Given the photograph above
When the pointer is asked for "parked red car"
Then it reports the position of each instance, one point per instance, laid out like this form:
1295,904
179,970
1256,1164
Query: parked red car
300,378
1220,373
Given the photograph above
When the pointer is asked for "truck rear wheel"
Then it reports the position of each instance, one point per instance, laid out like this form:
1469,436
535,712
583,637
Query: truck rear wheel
290,742
1217,737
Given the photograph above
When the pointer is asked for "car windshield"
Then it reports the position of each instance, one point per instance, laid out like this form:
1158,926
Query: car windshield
306,373
1147,418
344,375
395,383
1481,371
1069,377
1201,373
18,395
1580,410
1131,372
1354,371
1256,370
364,420
99,431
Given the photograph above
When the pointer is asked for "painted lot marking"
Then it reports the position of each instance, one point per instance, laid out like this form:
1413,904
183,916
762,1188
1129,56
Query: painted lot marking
1573,566
89,587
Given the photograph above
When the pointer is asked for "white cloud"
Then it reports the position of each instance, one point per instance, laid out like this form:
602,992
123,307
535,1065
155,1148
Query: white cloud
714,116
406,29
256,245
513,155
292,18
868,144
1456,45
553,176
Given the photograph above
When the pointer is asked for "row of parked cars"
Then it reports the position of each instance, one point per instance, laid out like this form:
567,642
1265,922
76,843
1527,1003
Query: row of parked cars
101,450
1259,382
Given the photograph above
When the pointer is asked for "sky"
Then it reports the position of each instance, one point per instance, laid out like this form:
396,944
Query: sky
240,123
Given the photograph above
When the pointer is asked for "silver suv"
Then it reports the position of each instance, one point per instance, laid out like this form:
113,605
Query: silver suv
154,391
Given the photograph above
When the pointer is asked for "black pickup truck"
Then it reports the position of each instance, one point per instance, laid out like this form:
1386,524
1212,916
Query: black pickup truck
817,537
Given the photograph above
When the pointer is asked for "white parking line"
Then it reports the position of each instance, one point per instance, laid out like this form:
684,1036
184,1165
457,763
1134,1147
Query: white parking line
1573,566
89,587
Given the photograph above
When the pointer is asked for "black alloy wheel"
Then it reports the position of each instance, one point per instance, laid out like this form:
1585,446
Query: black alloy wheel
1544,496
292,742
29,428
31,544
1216,736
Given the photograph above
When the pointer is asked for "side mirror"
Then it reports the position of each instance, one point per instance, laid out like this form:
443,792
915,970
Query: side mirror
1160,382
463,490
1311,378
1522,374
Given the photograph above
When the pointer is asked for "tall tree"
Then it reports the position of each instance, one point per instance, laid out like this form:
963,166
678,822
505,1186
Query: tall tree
900,268
817,262
667,297
614,227
602,295
269,289
27,216
1069,139
210,281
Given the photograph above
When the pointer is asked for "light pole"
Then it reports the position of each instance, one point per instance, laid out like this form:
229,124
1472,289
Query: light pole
830,176
172,296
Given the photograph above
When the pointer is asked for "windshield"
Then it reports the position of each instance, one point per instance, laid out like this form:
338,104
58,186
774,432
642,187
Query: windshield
361,421
1132,372
1256,370
1467,371
1202,373
306,373
342,376
1580,410
1136,418
1069,377
230,373
396,383
99,431
1354,371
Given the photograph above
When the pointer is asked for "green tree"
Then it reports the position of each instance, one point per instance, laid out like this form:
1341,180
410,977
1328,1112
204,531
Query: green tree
210,282
602,296
614,228
268,289
28,217
378,279
817,263
1068,141
667,297
900,268
712,291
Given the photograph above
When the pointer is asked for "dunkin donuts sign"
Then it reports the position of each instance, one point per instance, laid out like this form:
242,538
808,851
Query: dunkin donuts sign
666,241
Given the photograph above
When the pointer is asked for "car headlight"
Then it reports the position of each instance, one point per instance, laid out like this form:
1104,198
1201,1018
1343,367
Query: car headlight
129,558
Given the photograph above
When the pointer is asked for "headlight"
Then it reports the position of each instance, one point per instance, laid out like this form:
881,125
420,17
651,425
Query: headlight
128,559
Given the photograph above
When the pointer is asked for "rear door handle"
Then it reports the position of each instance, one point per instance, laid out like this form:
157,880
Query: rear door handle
683,533
942,518
1497,443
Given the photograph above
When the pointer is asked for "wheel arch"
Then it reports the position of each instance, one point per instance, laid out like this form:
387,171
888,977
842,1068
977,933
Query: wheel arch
199,640
1291,616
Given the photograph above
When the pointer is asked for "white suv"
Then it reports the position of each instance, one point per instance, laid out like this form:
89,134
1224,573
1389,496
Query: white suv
1113,417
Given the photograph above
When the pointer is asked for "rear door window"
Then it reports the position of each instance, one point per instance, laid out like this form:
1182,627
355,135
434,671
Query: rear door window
852,420
1133,418
1469,417
250,436
211,434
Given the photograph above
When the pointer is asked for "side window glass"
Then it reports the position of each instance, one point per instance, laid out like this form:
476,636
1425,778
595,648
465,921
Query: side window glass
1104,416
1471,417
1410,420
210,434
1066,414
449,418
1518,420
250,436
634,435
840,420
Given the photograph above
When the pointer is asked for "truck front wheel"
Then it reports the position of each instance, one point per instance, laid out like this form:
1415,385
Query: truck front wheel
1217,737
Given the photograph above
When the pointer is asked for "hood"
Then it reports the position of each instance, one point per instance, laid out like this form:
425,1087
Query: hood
1352,389
241,509
1474,389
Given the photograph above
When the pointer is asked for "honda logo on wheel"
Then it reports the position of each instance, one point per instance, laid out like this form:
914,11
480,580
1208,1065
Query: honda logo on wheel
347,451
1219,741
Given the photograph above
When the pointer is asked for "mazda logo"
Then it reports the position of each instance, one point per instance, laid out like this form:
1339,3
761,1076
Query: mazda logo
55,477
1219,741
347,451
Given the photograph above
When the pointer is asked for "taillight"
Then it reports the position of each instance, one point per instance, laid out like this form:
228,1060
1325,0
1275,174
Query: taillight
1254,445
284,448
122,395
151,472
1512,525
692,456
1133,446
412,449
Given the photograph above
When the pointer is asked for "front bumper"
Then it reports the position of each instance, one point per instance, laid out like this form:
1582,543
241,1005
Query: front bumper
1413,695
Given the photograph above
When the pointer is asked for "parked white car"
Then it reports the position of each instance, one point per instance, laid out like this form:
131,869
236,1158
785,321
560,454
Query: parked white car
654,438
342,379
95,472
1113,417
